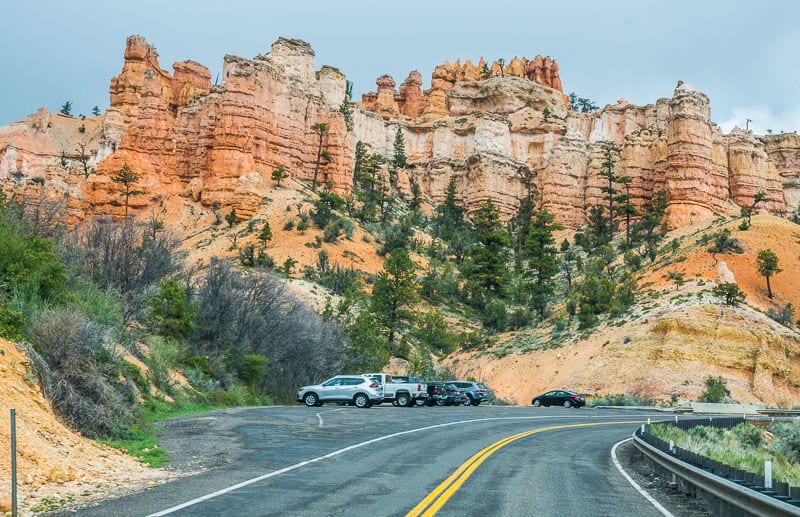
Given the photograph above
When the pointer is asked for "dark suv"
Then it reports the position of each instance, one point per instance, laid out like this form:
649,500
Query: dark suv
475,392
444,394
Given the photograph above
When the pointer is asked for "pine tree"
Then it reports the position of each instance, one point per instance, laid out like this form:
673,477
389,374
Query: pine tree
171,314
347,113
265,234
625,208
231,218
609,150
399,159
647,233
369,349
487,273
369,190
542,256
321,129
96,111
747,212
127,178
768,266
394,294
66,109
450,215
278,174
416,196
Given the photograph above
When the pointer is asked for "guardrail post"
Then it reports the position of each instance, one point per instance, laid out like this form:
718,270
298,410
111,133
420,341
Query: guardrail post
14,463
768,474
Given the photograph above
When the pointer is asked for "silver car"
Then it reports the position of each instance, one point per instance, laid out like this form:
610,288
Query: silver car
359,390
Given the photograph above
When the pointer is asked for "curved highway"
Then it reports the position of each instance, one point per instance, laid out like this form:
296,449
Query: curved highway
392,461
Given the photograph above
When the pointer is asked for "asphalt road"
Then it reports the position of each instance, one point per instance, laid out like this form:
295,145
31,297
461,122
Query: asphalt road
314,461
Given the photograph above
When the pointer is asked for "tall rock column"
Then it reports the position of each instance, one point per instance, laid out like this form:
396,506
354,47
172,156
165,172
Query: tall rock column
784,151
751,172
689,162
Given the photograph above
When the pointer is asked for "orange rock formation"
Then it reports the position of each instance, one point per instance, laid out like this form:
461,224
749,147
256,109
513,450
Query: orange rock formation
218,144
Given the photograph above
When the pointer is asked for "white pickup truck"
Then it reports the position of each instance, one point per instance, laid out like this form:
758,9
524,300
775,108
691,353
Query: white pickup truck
404,394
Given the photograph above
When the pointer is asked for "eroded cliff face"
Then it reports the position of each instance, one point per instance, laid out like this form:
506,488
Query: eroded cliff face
490,128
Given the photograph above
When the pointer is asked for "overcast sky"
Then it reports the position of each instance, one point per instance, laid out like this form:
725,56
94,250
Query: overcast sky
744,55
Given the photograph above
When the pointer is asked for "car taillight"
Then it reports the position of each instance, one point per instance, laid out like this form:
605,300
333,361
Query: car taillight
478,391
419,387
574,397
374,385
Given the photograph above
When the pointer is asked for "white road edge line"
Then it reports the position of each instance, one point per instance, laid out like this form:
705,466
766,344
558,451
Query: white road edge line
319,415
336,453
634,484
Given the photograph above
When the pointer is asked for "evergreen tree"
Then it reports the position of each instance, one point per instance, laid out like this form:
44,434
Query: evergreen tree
598,223
127,178
747,212
96,111
265,234
487,274
399,159
369,189
519,227
171,314
231,218
347,113
730,293
416,195
394,294
768,266
321,129
450,215
369,349
278,174
66,109
647,233
625,208
609,150
542,256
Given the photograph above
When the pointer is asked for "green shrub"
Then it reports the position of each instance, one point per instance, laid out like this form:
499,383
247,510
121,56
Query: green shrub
164,356
787,440
748,435
716,390
11,322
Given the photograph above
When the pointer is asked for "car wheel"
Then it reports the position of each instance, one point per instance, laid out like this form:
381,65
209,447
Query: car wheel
394,403
567,404
537,402
311,400
361,401
403,400
441,402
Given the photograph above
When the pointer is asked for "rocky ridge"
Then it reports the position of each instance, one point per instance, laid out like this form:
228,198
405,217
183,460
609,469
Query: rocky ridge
217,144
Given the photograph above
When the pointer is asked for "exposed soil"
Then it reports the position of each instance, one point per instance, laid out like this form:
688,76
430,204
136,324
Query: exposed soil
55,465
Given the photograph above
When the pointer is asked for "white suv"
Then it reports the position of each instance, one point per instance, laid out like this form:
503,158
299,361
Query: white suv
359,390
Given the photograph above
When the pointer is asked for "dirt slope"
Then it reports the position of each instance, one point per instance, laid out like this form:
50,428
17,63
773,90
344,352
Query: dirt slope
676,337
53,462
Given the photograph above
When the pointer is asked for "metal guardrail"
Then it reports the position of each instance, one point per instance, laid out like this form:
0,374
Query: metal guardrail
724,490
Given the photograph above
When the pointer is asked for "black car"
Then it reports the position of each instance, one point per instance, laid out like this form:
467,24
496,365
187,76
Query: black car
559,398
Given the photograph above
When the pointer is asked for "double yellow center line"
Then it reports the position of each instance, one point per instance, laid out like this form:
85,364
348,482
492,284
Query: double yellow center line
442,493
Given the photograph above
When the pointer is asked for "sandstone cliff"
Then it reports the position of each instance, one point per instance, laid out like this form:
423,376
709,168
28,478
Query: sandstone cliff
217,145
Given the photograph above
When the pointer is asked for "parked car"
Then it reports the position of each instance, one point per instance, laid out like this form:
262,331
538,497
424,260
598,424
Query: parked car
559,398
475,392
359,390
405,394
444,394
